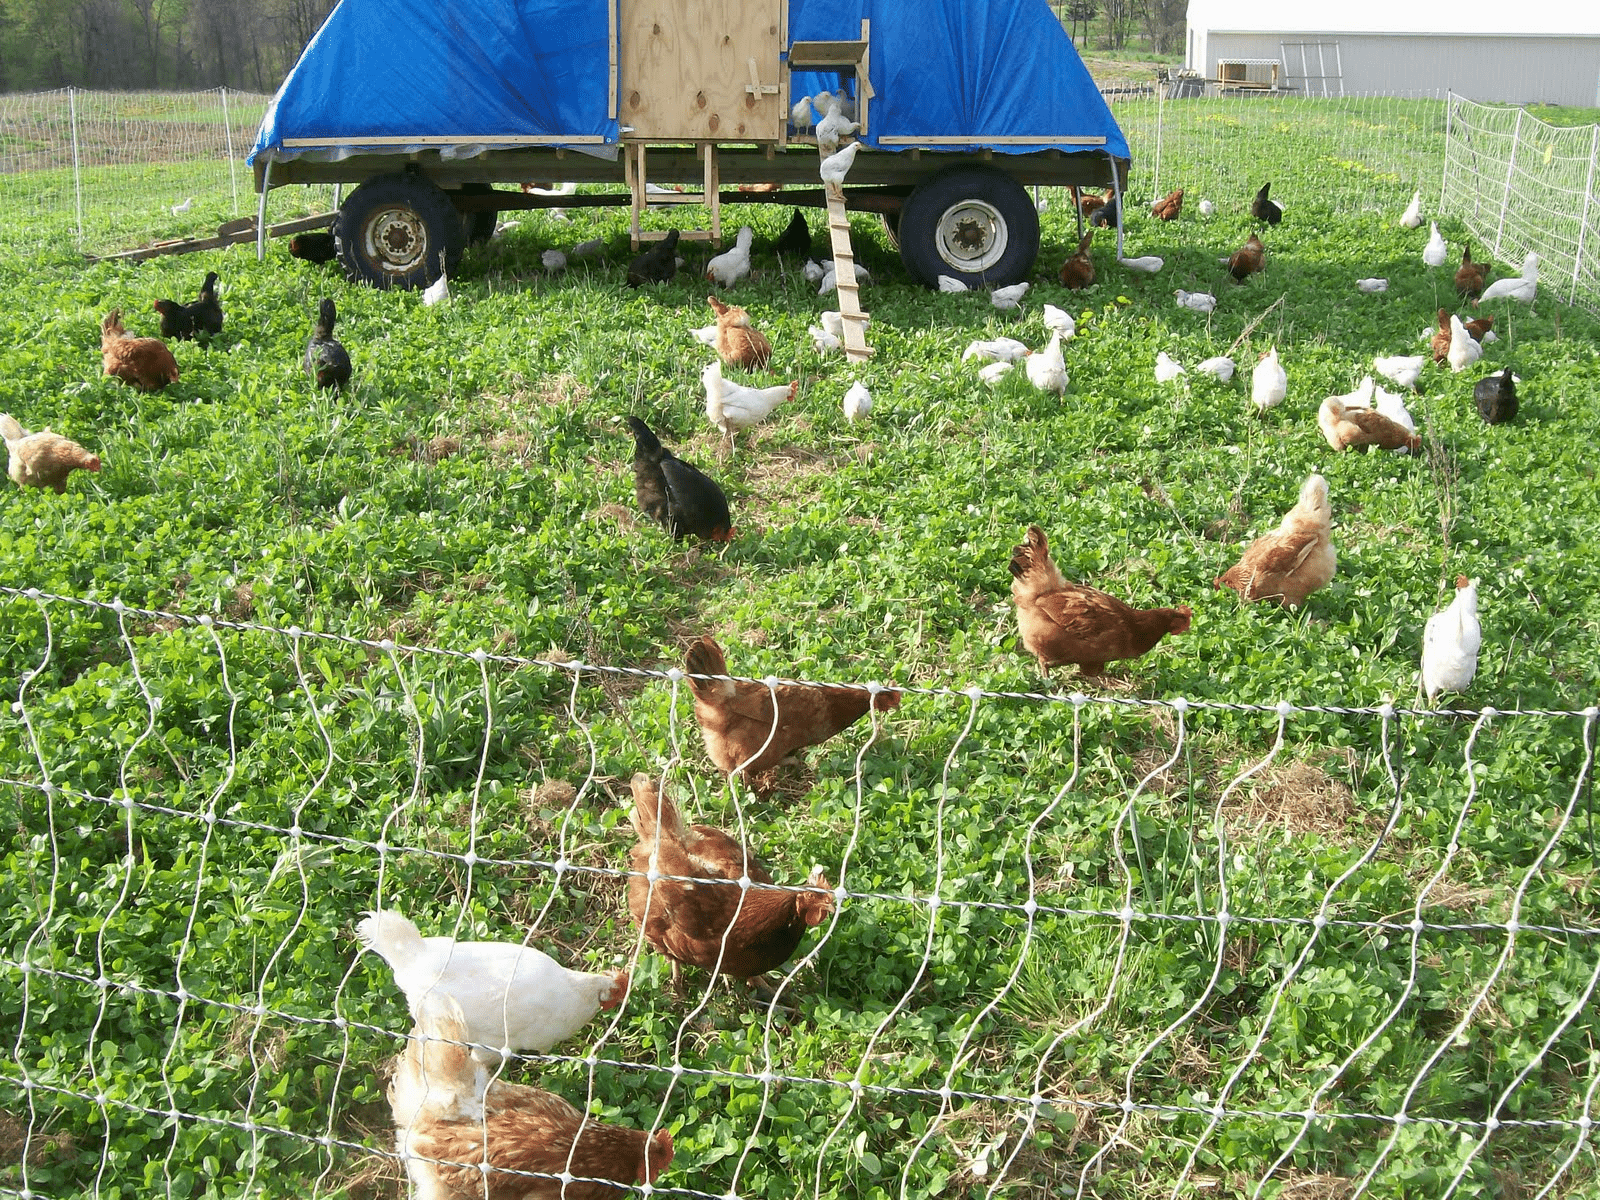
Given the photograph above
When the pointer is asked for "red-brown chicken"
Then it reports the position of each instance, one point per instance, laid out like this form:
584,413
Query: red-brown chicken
736,719
687,922
1470,276
143,363
1168,207
738,344
1295,559
1063,622
1078,270
1248,259
42,459
449,1120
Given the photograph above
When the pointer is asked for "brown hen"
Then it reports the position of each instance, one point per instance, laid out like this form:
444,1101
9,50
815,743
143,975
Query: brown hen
1347,425
143,363
449,1120
1078,270
736,718
42,459
1294,560
1169,206
1063,622
1248,259
687,922
737,343
1470,276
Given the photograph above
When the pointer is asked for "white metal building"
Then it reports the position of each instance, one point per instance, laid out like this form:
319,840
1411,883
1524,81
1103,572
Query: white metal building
1529,51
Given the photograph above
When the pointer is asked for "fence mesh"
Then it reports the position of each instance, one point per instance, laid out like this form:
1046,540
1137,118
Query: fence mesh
103,171
1520,184
1082,946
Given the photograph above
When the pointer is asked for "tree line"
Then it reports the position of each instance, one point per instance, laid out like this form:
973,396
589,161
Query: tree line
158,44
1161,22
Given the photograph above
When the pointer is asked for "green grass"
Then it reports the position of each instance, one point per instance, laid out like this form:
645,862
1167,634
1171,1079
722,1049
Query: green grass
873,551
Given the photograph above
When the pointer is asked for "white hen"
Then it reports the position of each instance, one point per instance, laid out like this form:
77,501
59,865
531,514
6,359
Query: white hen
1450,642
1007,298
836,166
1404,369
1412,217
1221,367
800,114
1001,349
813,271
994,372
1200,302
1372,285
1521,288
733,407
727,268
821,340
833,321
586,249
1269,382
1058,320
438,291
554,261
1149,264
834,124
1047,370
1168,368
949,283
1435,252
1464,348
511,995
706,336
857,401
1207,208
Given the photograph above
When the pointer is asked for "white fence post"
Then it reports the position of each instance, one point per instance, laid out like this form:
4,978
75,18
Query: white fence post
1583,223
1155,186
227,127
1444,165
77,167
1511,165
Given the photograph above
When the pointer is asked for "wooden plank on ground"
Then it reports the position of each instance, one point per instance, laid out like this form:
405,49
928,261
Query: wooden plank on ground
229,233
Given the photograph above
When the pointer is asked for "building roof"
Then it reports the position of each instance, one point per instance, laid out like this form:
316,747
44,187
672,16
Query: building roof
1478,18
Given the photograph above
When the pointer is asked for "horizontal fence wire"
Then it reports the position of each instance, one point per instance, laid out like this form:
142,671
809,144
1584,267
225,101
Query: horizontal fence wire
184,988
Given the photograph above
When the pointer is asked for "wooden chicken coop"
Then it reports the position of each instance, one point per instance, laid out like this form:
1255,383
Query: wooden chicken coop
689,105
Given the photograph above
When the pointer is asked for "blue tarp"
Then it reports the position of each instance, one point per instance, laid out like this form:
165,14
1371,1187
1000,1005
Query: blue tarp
461,70
945,68
457,72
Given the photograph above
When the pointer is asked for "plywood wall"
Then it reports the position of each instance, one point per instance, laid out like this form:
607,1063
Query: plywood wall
685,69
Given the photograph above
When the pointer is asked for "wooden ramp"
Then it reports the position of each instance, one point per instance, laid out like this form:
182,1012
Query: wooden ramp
844,270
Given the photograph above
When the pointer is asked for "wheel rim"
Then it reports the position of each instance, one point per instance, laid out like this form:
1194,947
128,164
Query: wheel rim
971,236
396,240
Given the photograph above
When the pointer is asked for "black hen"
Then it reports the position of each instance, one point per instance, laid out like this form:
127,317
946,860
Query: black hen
313,247
1105,215
657,264
206,312
1263,209
796,238
326,360
1496,397
686,502
176,320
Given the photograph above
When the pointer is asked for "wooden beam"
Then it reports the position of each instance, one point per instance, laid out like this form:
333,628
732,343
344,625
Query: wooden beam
230,233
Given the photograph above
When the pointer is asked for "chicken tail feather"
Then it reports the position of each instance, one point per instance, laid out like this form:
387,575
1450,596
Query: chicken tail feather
653,811
9,429
645,442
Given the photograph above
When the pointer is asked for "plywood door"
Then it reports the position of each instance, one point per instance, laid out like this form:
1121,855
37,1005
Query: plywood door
686,69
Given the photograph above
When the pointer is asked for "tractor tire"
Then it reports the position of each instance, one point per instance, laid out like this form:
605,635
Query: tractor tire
975,224
392,229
